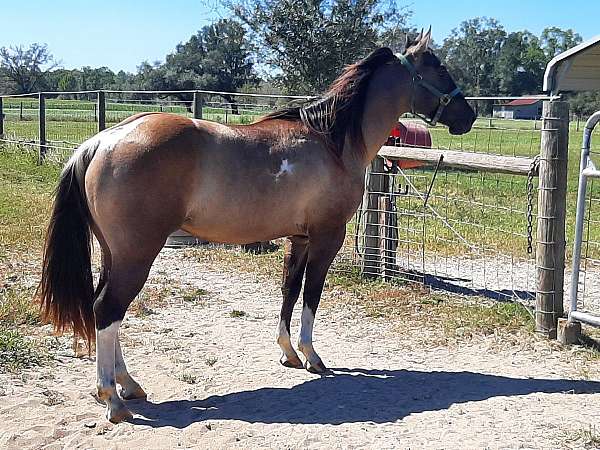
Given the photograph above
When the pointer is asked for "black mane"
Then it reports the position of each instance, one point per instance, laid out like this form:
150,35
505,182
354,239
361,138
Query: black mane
339,111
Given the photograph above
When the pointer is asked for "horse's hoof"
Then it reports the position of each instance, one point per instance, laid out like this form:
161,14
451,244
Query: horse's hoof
136,393
118,413
294,363
317,367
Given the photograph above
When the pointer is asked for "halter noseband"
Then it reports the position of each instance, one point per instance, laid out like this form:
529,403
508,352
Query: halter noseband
417,78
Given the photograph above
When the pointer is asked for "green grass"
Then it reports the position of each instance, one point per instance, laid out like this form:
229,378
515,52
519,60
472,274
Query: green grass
587,437
17,307
18,352
26,192
194,295
473,319
488,210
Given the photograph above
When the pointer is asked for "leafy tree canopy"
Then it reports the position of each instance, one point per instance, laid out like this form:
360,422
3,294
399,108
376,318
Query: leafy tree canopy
306,43
24,69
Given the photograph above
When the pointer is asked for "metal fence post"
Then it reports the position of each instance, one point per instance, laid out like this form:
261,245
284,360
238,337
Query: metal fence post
1,120
550,255
42,127
371,260
101,100
197,105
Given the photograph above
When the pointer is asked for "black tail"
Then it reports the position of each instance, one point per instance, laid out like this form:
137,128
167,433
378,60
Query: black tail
66,289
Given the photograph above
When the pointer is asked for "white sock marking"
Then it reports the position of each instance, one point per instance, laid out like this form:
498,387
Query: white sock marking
306,330
105,354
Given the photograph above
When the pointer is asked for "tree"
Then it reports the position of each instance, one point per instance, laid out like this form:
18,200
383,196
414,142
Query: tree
306,43
26,68
471,54
520,64
555,41
93,79
216,58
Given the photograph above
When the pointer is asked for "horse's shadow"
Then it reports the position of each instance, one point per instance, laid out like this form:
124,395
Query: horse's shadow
351,395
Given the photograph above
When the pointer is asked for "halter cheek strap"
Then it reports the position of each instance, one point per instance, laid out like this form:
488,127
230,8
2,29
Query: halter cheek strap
417,79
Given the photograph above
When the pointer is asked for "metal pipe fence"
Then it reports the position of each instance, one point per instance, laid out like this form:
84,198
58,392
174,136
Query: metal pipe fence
585,287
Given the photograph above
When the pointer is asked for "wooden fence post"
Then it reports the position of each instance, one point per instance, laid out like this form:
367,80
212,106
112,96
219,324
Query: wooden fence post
42,127
197,105
376,186
550,254
101,111
1,120
21,111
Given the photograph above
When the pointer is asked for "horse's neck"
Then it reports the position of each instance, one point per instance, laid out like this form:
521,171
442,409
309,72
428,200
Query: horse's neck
386,100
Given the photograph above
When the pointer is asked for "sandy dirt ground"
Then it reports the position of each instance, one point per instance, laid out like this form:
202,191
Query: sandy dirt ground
213,381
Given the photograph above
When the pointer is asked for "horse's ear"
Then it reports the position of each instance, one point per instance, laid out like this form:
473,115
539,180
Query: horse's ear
427,37
421,45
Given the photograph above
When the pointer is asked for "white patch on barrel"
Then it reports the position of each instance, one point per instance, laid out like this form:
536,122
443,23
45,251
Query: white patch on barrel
105,354
286,167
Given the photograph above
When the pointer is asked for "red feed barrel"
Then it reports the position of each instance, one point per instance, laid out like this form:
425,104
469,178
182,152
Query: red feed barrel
409,134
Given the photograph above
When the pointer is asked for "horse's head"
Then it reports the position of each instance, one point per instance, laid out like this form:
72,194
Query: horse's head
435,97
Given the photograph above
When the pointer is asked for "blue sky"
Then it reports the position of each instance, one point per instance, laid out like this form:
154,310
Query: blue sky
121,34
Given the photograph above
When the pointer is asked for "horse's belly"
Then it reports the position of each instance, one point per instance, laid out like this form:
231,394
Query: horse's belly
240,224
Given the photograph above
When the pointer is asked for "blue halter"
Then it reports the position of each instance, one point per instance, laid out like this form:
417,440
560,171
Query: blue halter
417,79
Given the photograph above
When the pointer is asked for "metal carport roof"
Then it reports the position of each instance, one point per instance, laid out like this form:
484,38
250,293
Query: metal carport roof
577,69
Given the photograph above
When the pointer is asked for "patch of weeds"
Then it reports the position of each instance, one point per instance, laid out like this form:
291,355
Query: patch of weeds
471,319
194,295
237,314
188,378
588,437
150,297
18,352
141,310
53,398
590,343
17,307
211,360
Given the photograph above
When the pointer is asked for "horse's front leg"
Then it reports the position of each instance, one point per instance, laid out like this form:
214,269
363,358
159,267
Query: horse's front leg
322,250
294,263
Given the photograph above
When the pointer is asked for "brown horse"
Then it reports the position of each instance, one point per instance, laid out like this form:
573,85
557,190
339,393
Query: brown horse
296,173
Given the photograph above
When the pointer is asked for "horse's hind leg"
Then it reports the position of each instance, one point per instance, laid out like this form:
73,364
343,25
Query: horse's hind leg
130,389
294,262
125,280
